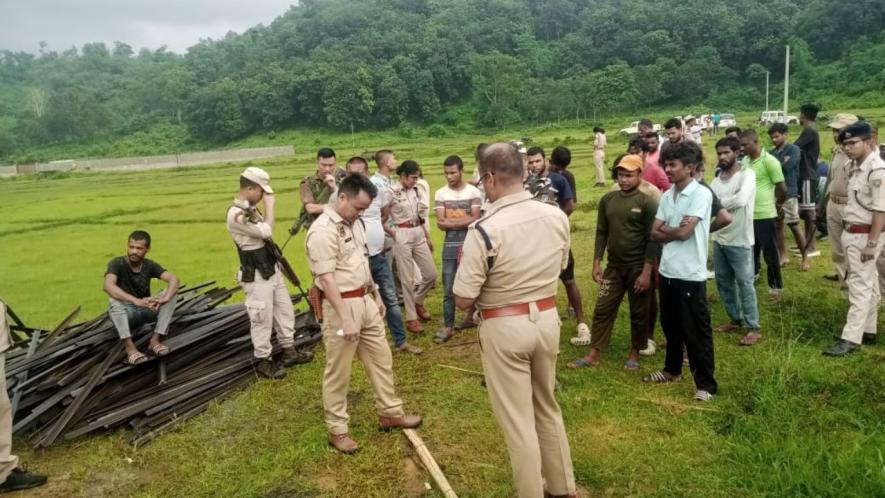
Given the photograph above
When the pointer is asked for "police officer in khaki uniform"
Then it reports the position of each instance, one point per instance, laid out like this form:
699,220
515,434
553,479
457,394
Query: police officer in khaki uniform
514,287
862,237
267,297
837,194
11,476
411,243
352,312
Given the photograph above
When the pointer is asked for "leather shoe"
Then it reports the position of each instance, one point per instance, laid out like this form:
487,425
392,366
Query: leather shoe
841,348
414,326
343,443
422,312
868,339
404,422
548,495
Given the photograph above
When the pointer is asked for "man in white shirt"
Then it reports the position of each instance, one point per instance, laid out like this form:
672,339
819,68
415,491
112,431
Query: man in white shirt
599,143
733,245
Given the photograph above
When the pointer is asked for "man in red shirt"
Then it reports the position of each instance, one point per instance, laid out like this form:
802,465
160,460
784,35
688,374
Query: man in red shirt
652,172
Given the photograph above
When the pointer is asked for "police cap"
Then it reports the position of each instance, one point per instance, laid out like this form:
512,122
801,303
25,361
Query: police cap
860,129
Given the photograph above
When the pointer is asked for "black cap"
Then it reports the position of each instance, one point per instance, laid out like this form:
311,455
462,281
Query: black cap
860,129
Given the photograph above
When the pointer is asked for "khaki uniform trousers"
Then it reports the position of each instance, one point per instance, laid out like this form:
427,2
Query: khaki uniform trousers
835,213
8,461
269,306
372,349
410,249
519,360
863,289
599,162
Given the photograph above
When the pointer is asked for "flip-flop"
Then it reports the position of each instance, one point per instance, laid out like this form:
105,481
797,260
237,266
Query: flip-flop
750,339
581,363
631,365
159,350
136,358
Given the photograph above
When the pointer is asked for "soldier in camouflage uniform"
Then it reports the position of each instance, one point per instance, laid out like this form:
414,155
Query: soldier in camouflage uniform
316,190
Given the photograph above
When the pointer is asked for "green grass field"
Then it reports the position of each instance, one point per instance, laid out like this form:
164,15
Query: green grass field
787,422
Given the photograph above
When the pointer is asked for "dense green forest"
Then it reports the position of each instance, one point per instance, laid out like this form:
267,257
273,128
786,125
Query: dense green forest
376,64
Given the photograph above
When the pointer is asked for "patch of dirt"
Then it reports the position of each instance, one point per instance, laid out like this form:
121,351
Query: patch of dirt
413,478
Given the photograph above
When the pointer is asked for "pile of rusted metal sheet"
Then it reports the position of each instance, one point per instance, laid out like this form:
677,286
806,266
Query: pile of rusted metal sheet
71,381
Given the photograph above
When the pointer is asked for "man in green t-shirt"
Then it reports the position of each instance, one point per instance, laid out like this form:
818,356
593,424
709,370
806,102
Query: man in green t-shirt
623,227
769,186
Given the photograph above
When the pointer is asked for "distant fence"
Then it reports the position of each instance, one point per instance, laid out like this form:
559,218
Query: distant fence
150,162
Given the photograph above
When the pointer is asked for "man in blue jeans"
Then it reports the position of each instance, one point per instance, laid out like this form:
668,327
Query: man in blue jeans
374,218
457,206
733,245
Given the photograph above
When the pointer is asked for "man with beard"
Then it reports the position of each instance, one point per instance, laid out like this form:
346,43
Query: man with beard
733,245
128,283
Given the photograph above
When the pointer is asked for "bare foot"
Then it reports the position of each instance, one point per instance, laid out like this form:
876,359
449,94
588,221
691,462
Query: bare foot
805,265
785,262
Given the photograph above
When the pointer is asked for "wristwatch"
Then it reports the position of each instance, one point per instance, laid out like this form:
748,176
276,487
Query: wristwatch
872,244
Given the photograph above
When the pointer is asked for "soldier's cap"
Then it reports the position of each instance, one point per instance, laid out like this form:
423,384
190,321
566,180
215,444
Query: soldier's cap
519,146
860,129
689,117
258,176
842,120
630,162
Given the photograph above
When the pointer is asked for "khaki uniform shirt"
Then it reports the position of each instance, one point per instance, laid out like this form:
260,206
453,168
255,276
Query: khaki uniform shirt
334,246
530,244
599,141
866,190
4,328
407,204
838,174
248,231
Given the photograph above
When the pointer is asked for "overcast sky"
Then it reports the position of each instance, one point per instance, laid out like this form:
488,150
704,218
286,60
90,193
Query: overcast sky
178,24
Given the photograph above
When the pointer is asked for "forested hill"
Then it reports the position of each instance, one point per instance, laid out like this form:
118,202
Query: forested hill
377,63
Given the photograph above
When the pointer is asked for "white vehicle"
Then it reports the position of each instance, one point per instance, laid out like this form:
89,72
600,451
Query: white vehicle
634,128
726,120
771,117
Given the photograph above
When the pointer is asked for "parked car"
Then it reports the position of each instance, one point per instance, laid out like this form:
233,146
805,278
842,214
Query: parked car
726,120
634,128
771,117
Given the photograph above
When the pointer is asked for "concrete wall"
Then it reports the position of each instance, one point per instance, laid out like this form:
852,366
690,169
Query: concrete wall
152,162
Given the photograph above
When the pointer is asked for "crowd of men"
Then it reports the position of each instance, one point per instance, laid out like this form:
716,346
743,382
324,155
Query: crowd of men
369,249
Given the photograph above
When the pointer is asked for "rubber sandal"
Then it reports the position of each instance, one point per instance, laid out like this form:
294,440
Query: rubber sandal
751,339
159,350
581,363
631,365
136,358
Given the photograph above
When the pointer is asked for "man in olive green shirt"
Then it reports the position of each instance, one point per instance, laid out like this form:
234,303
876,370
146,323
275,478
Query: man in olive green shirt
623,227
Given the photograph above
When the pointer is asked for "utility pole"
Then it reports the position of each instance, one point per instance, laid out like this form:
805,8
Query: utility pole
786,83
766,90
